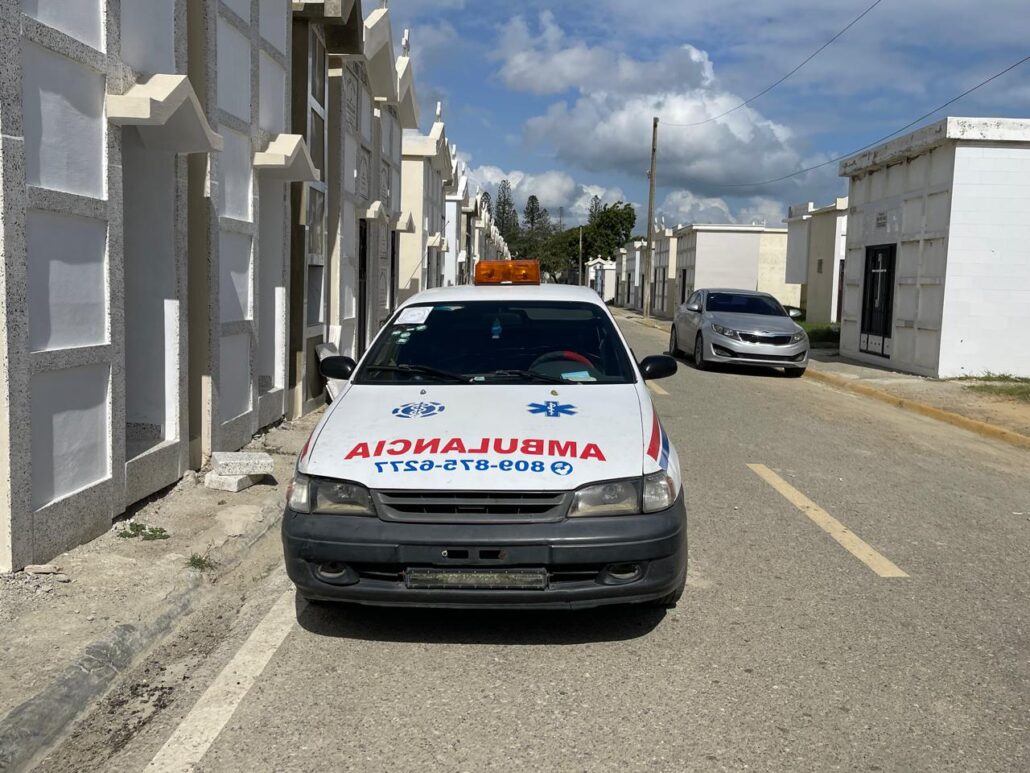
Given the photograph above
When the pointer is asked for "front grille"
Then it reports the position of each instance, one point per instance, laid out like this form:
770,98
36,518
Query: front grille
754,338
471,506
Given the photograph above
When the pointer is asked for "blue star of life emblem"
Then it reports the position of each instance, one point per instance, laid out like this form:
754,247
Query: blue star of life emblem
417,410
553,409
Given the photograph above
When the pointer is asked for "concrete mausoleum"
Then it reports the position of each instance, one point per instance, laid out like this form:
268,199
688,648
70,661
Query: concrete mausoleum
816,243
196,195
937,274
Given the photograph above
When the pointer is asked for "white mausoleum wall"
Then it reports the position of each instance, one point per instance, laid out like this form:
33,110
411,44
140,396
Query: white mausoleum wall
81,19
148,35
67,280
728,260
986,317
63,118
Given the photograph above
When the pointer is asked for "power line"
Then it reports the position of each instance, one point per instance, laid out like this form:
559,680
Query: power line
766,90
886,137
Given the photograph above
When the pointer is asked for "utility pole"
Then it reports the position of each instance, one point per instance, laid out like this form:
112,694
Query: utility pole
581,255
649,254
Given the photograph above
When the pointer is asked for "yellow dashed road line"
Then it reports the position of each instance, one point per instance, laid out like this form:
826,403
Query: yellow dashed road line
656,389
844,536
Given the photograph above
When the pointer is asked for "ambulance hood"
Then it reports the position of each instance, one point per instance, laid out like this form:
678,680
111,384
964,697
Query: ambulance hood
525,437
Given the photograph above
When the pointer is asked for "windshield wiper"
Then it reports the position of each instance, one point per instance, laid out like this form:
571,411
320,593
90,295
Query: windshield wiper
532,375
420,370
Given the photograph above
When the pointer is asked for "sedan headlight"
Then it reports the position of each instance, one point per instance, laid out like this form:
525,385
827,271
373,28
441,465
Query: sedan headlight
725,331
625,497
328,497
798,337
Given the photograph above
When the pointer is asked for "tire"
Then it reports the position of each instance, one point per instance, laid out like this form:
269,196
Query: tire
699,353
674,348
794,372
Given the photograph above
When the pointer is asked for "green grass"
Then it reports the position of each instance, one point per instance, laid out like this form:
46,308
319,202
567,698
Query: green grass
200,563
821,333
144,532
1000,385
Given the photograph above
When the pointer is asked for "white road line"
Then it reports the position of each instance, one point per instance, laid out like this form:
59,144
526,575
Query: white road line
656,389
206,720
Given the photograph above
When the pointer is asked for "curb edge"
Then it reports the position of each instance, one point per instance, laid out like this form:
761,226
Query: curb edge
982,428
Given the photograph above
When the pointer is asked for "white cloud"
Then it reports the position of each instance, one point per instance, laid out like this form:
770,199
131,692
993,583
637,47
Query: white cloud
547,62
607,126
556,190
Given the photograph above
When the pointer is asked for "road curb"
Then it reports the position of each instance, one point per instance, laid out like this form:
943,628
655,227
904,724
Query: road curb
982,428
31,728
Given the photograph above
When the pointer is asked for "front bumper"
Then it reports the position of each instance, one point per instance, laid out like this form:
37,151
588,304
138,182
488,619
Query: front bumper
576,554
724,350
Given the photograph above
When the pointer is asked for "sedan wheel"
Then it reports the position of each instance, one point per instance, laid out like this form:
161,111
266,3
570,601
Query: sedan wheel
699,353
674,348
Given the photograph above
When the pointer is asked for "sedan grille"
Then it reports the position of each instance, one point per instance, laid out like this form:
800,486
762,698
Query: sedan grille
755,338
471,506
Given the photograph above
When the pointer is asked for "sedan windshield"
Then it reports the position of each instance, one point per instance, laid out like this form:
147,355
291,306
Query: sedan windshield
744,304
499,342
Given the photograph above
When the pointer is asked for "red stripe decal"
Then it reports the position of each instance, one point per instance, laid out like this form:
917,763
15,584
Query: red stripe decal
656,437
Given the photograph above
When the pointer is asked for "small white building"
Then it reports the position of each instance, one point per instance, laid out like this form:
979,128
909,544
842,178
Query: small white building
664,296
937,275
815,257
630,274
456,207
744,257
601,276
426,172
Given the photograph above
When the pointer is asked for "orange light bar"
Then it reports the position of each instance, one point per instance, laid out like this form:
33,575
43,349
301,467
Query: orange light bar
508,272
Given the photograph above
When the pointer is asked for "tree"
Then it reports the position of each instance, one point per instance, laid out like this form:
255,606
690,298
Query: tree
505,215
595,210
488,205
534,217
612,228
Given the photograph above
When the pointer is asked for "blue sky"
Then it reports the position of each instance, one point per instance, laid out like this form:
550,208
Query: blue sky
558,96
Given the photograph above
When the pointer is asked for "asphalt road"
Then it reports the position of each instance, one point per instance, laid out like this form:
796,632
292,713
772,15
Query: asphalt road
790,651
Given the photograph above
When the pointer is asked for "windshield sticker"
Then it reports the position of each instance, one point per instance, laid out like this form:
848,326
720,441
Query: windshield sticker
553,409
563,449
579,375
417,410
414,315
496,329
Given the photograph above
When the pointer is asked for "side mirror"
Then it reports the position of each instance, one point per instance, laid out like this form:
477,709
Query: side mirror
338,367
694,307
794,313
657,366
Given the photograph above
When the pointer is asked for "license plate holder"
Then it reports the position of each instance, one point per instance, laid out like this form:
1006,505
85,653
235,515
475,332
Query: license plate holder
427,578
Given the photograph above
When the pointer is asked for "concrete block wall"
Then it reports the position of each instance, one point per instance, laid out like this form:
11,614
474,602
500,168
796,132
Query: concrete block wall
986,294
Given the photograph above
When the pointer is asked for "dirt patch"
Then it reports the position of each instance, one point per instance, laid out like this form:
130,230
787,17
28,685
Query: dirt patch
47,620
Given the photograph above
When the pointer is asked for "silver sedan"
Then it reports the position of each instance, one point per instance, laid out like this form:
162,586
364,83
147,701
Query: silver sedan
739,327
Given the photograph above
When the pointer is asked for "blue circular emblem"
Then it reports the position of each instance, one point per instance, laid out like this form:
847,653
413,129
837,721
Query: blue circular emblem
417,410
561,468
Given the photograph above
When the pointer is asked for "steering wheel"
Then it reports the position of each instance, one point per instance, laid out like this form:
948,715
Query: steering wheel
558,356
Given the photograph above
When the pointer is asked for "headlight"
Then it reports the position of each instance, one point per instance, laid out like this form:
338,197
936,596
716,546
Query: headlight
725,331
328,497
798,337
620,497
659,492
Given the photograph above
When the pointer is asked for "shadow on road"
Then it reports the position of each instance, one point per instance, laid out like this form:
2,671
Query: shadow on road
716,369
453,626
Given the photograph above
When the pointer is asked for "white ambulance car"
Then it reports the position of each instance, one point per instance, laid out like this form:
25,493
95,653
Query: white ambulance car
495,447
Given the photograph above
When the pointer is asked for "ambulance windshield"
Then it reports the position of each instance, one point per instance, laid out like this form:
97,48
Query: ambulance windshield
499,342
